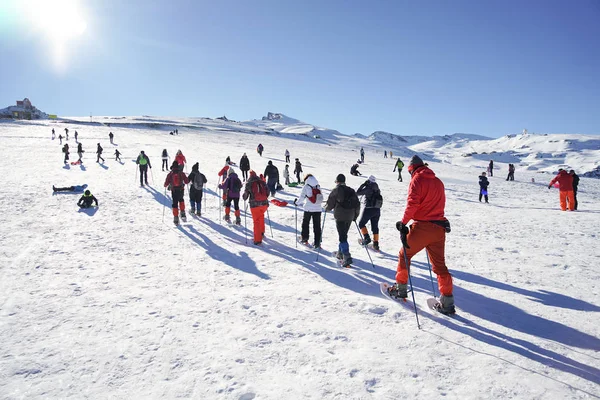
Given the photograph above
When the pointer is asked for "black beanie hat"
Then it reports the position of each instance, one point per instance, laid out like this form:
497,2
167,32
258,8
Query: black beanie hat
340,178
415,162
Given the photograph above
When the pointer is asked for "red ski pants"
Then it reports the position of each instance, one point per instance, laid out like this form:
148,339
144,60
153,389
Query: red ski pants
426,235
258,218
567,196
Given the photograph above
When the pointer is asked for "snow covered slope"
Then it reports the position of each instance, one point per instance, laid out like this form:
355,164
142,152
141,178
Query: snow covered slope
115,302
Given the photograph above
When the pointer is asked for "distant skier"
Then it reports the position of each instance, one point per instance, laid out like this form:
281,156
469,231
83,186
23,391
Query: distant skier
260,149
144,163
272,175
180,158
491,168
53,134
391,154
176,181
362,155
60,138
371,212
165,160
117,155
232,187
80,151
346,207
67,134
399,165
298,169
257,192
511,172
76,136
197,180
385,154
245,166
566,196
286,174
575,186
65,150
426,200
111,137
354,170
76,188
99,151
310,200
87,199
287,156
483,187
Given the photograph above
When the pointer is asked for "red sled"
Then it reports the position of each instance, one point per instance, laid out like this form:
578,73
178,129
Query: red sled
76,162
279,203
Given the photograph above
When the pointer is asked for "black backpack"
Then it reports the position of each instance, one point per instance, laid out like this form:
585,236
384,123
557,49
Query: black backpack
350,200
377,199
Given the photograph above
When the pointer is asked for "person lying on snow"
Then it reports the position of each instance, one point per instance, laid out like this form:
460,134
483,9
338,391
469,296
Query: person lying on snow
76,189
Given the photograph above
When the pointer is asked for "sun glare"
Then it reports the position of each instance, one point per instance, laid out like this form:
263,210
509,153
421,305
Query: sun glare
59,21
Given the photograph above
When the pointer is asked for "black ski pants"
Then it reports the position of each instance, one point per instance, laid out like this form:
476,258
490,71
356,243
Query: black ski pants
342,228
143,174
165,164
373,215
245,175
316,219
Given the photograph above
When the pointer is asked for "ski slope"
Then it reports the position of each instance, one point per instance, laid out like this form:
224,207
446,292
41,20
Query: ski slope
117,303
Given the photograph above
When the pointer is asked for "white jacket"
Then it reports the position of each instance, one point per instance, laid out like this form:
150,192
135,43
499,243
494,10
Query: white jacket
303,200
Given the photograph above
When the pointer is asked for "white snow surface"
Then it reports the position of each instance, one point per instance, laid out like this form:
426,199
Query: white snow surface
117,303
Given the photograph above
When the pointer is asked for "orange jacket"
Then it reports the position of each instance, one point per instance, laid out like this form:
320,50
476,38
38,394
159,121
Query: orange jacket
565,181
426,197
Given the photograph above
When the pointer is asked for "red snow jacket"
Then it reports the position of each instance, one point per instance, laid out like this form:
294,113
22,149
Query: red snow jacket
565,181
426,197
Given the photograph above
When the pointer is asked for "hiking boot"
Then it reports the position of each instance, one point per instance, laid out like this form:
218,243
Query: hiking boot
317,245
257,243
226,218
53,188
199,213
304,241
445,305
339,255
192,211
366,240
183,216
176,220
347,260
238,220
398,291
376,246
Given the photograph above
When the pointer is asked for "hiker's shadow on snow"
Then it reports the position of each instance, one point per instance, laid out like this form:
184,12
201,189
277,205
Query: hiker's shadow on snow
239,261
498,312
103,166
540,296
66,166
89,211
83,168
158,196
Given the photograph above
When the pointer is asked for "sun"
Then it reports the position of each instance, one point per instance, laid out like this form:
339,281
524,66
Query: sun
59,21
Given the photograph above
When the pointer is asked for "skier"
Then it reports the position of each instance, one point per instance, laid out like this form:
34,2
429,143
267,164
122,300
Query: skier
311,193
111,136
344,201
67,134
117,155
53,134
87,199
399,165
272,175
286,174
391,154
491,168
575,186
260,149
425,205
483,187
65,150
511,172
99,151
197,180
287,156
176,181
371,212
362,155
144,162
76,188
76,135
354,170
80,151
180,158
566,196
223,174
298,169
385,154
232,187
165,160
257,192
245,166
60,138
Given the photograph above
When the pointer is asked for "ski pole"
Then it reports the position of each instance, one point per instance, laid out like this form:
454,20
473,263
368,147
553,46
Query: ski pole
270,227
164,205
365,246
410,281
152,175
219,205
430,274
135,174
322,228
245,221
296,219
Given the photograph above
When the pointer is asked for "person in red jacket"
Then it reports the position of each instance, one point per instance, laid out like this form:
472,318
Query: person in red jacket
176,181
425,207
223,174
565,187
180,158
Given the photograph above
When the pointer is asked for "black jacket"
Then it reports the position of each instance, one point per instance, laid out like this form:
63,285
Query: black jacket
337,197
244,163
483,182
575,182
271,173
368,189
86,201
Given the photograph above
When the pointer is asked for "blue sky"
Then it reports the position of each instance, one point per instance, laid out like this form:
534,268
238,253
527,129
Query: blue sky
407,67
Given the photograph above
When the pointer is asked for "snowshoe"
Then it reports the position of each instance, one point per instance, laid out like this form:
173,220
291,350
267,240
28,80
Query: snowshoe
238,221
227,219
183,216
365,241
347,260
398,291
445,305
376,246
176,220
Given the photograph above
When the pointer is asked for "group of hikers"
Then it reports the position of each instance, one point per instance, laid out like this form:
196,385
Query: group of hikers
99,150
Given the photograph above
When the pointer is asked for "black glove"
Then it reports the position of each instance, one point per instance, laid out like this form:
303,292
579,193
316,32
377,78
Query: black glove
549,186
402,228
